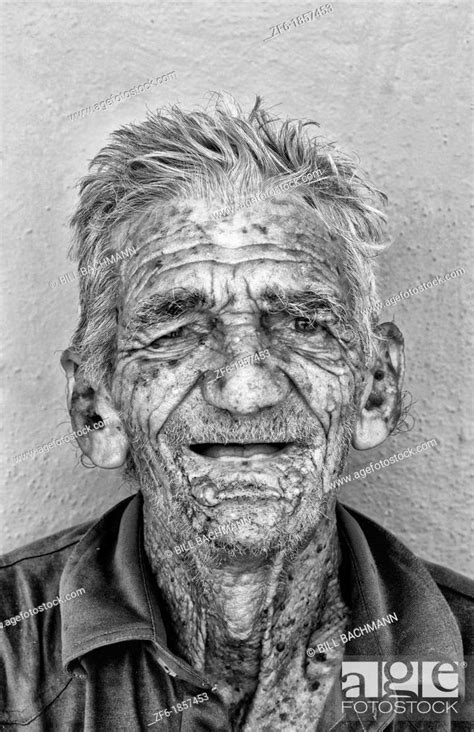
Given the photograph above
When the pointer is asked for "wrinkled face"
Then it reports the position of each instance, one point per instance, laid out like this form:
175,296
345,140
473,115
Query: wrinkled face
236,369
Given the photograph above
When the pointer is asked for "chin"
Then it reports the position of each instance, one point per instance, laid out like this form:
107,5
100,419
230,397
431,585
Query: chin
266,519
249,528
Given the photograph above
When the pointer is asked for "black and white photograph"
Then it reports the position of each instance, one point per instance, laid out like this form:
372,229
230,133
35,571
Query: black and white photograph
237,388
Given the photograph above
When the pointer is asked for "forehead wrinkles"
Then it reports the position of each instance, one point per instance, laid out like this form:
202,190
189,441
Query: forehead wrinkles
195,244
231,269
151,266
169,238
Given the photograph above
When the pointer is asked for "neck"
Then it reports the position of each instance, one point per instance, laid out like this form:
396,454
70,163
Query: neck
244,620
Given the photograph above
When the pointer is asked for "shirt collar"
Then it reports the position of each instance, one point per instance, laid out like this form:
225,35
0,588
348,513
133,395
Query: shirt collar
379,575
120,602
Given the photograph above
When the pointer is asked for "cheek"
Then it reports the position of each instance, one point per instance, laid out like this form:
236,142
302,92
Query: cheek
149,393
326,386
333,395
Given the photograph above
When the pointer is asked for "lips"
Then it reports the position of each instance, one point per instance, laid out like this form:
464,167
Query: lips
233,450
243,472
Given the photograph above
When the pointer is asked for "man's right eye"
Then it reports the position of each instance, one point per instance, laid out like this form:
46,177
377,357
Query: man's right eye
159,342
305,325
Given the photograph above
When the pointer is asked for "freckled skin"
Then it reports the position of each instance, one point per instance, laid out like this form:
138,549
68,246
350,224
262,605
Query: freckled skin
231,600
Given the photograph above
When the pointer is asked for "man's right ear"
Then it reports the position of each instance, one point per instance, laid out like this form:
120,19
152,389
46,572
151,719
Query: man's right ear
107,446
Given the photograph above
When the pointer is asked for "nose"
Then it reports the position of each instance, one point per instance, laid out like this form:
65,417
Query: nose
247,389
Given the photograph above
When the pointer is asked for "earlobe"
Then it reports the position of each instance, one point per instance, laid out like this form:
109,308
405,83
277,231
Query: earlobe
107,446
381,400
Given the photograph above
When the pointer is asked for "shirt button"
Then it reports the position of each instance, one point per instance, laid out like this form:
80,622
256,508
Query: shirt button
166,668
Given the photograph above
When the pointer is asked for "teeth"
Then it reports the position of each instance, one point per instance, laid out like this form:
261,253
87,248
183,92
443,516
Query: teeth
239,451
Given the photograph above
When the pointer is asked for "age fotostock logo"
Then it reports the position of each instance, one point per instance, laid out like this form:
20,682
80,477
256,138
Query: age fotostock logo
400,686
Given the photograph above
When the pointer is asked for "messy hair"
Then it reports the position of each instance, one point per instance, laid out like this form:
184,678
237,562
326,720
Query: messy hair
219,156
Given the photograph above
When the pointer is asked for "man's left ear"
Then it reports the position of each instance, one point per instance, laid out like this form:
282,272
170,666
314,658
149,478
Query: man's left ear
381,401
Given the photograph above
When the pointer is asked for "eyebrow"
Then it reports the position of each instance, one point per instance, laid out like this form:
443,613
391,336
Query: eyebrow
162,309
159,309
306,303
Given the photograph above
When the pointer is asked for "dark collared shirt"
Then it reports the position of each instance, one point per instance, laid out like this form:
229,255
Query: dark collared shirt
101,661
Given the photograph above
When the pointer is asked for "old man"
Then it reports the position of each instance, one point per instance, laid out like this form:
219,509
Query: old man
218,595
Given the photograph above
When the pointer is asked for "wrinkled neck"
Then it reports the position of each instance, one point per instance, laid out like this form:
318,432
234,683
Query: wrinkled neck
248,615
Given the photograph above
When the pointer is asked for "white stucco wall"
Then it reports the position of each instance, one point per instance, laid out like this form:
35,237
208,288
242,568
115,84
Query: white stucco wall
388,80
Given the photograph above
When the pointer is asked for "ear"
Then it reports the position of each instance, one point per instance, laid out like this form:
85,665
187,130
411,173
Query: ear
381,401
107,447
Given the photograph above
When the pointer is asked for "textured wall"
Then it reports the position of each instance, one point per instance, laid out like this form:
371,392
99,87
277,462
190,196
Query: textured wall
388,80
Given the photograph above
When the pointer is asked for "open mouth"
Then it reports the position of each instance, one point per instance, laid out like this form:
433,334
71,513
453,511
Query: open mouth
233,450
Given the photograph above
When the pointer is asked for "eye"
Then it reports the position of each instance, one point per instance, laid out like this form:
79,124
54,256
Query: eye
168,337
304,325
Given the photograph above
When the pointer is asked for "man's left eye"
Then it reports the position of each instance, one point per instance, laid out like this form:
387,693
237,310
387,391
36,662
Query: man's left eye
169,336
304,325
